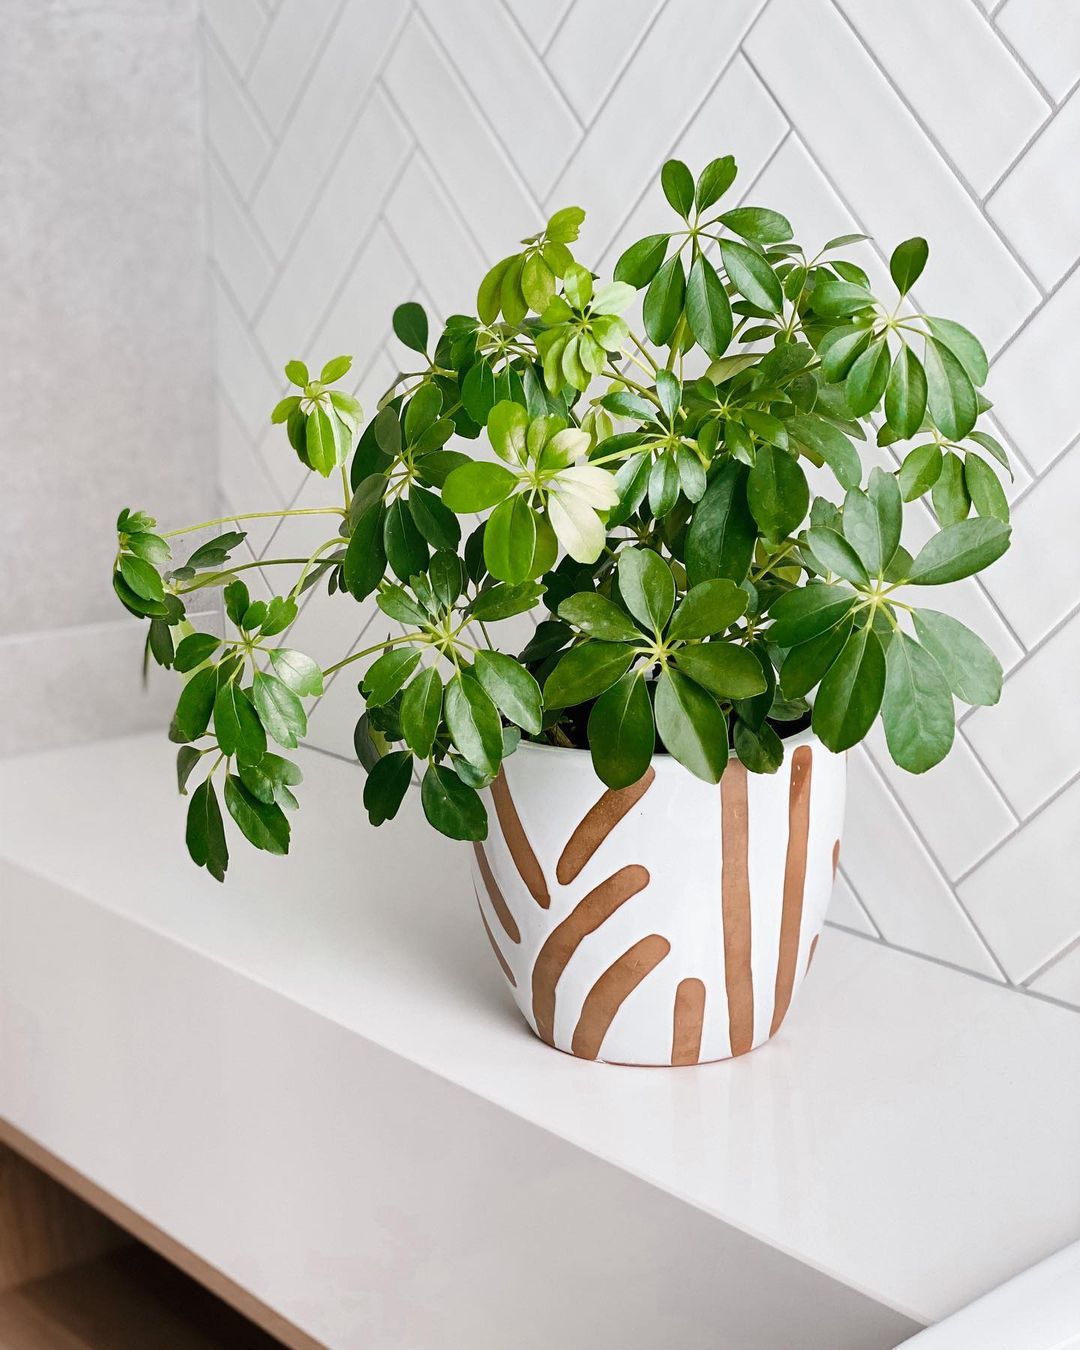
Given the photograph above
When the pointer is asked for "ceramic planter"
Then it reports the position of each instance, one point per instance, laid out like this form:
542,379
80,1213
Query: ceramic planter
671,922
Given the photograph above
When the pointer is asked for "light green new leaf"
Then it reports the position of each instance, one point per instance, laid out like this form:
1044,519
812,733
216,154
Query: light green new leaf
298,671
510,540
477,486
917,707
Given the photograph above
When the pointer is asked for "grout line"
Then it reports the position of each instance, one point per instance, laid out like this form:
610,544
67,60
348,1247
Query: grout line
559,25
213,158
1020,153
515,23
1007,44
210,39
1038,478
1059,791
949,886
859,901
946,158
1040,971
230,295
1065,276
1050,998
270,18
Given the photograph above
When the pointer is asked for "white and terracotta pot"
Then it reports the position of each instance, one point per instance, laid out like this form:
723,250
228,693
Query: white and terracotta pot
671,922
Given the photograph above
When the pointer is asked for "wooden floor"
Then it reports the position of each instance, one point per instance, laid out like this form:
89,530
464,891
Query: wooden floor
128,1299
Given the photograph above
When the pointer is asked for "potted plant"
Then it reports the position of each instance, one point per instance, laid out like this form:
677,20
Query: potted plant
653,786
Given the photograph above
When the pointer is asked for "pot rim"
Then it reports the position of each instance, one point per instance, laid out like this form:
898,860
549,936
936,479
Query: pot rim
661,763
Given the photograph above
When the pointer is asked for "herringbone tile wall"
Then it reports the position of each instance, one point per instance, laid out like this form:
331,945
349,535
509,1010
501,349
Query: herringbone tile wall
362,152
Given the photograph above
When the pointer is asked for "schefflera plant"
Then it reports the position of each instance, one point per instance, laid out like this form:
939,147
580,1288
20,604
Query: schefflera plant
647,493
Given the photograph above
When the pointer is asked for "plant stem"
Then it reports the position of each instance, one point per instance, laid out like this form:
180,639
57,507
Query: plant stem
378,647
256,515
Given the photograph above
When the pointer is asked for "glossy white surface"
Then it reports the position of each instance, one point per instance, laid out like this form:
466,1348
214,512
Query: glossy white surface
911,1132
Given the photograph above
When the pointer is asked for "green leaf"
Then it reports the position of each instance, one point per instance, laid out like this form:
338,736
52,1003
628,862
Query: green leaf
708,311
836,299
511,688
152,548
692,477
537,282
386,675
283,410
664,301
723,668
215,552
510,540
965,346
758,224
850,694
707,608
262,824
950,393
386,785
194,650
142,578
646,586
205,836
296,372
805,665
984,489
503,601
641,261
477,486
950,495
406,550
720,540
777,492
691,725
473,722
972,670
992,446
365,557
279,709
907,263
335,368
186,759
841,348
959,551
563,227
193,710
585,671
917,708
801,614
872,521
664,484
422,412
830,444
920,471
760,749
749,272
678,184
399,604
714,180
280,613
867,379
452,808
237,726
421,712
621,733
320,441
905,394
838,556
447,576
507,428
411,326
296,670
599,617
436,523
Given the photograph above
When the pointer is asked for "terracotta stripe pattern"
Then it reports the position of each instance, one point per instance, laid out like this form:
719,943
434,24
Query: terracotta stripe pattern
794,881
681,917
735,891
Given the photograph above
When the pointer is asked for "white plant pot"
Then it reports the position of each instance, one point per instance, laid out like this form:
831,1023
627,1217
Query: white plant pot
671,922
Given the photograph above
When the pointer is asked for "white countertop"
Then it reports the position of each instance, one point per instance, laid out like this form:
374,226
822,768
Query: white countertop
911,1133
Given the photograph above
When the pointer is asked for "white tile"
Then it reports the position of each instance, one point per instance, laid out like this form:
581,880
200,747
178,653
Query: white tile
246,484
359,318
457,139
959,78
614,27
737,118
631,136
893,176
238,25
291,46
434,239
1046,33
1063,979
1031,740
1038,206
232,126
503,73
312,144
894,877
844,909
955,806
1026,898
235,245
1037,582
1033,382
242,365
345,212
539,22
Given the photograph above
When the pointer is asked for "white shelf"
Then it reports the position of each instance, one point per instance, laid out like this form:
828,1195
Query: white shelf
910,1136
